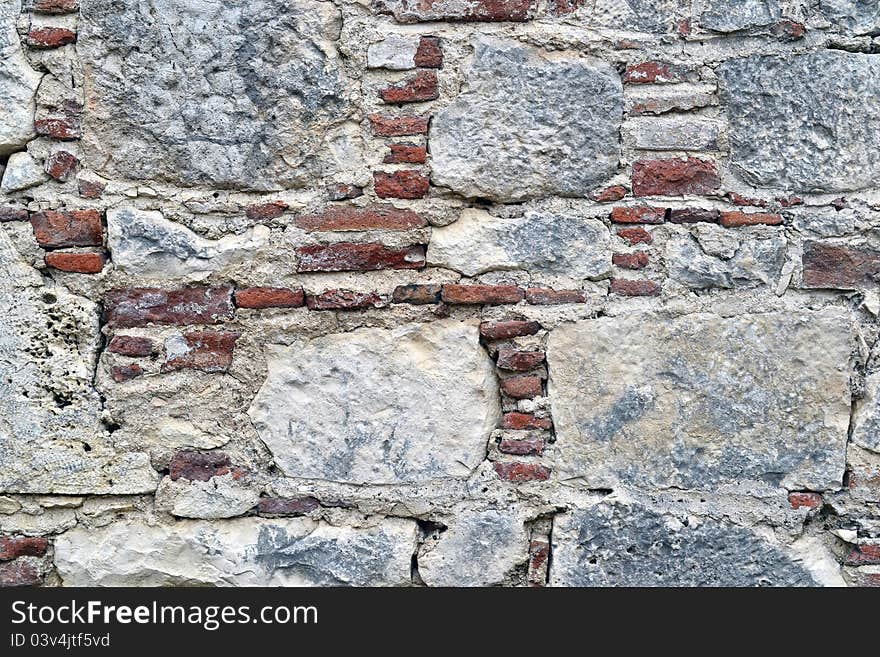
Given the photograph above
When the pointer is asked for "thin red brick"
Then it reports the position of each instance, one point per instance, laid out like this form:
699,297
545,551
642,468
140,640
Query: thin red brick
349,256
398,126
351,218
636,236
482,294
345,300
406,154
266,211
405,184
429,54
198,466
531,446
736,219
123,373
519,361
131,345
69,228
205,351
634,288
521,421
522,387
637,260
520,473
507,329
422,86
260,298
638,215
192,305
50,37
675,177
12,547
76,263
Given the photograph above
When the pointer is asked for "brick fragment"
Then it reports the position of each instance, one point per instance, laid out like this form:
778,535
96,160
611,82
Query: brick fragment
491,295
519,361
609,194
406,184
638,215
649,73
12,547
90,189
19,573
13,214
531,446
406,154
637,260
205,351
866,554
260,298
50,37
76,263
55,6
736,219
507,329
809,500
192,305
416,294
422,86
836,267
350,218
429,54
266,211
345,300
634,288
539,559
65,124
350,256
131,345
287,506
542,296
123,373
60,165
739,199
520,473
522,421
675,177
522,387
636,235
693,216
68,228
789,30
198,466
398,126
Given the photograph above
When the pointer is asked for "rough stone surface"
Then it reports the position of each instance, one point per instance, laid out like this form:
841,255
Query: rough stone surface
241,552
543,242
639,400
528,126
754,262
866,420
354,407
18,83
735,15
805,122
856,16
22,171
169,104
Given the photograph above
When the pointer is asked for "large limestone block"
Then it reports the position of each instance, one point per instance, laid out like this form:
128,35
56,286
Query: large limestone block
528,126
540,242
735,15
866,419
18,83
197,92
51,437
701,399
626,544
240,552
858,16
636,15
380,406
808,123
758,260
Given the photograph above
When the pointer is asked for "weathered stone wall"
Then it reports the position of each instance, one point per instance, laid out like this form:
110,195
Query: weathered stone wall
440,292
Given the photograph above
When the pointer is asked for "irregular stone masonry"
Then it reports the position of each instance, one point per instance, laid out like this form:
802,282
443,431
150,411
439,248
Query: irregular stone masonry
589,300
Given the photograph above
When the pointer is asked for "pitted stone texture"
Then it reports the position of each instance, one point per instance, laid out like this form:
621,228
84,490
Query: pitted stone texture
239,552
51,438
538,241
702,399
219,497
18,83
212,93
857,16
528,126
655,16
627,544
866,420
806,123
479,548
145,243
380,406
736,15
22,171
756,261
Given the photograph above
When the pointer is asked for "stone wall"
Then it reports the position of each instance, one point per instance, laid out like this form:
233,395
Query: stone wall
440,292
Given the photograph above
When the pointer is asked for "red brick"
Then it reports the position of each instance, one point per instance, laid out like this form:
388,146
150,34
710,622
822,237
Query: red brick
735,219
522,387
344,300
192,305
343,192
123,373
636,236
13,214
407,184
64,123
19,573
266,211
638,215
531,446
349,256
287,506
70,228
12,547
609,194
350,218
519,361
50,37
789,30
55,6
649,73
199,466
507,329
482,294
565,7
675,177
805,499
693,216
830,266
269,297
634,288
520,473
406,154
637,260
61,165
206,351
683,27
130,345
90,189
521,421
416,294
866,554
542,296
76,263
416,89
539,559
789,201
429,54
398,126
739,199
